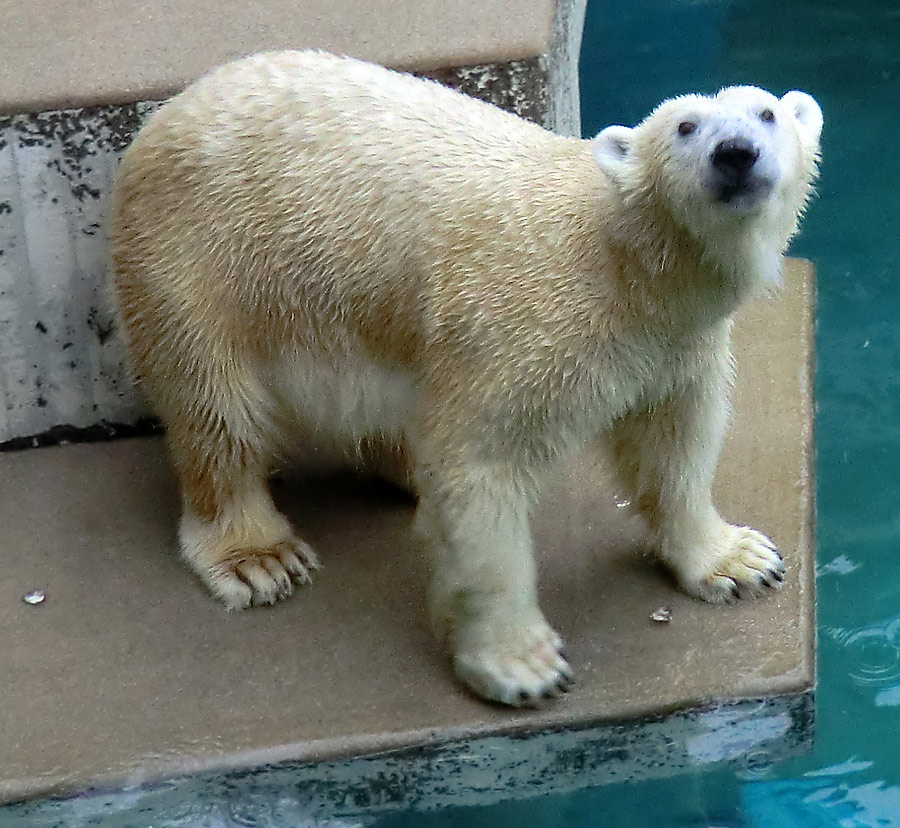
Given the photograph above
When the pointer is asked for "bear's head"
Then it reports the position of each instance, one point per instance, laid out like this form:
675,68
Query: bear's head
740,160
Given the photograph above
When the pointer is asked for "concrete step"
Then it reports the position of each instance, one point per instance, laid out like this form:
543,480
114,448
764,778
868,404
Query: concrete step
128,672
104,52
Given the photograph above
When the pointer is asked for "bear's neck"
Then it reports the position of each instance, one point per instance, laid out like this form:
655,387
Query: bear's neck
664,271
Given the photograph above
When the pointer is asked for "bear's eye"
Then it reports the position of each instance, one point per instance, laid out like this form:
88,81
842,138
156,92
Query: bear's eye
768,116
686,127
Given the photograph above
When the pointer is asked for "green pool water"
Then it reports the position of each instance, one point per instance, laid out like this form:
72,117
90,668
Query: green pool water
847,54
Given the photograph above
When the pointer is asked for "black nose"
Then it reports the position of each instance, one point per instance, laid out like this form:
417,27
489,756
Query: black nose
733,158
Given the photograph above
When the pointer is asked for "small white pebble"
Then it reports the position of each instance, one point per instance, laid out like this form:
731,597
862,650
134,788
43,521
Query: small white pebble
36,596
663,615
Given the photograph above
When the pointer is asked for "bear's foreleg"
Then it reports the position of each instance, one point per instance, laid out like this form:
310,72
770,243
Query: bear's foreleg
666,458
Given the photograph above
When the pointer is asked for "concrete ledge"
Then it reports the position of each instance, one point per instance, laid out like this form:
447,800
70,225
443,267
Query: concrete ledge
129,673
105,52
745,735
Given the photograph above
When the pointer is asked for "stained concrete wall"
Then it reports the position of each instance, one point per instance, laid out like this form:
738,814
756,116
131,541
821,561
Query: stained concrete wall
61,362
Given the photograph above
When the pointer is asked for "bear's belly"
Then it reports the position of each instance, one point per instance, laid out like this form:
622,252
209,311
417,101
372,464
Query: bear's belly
340,404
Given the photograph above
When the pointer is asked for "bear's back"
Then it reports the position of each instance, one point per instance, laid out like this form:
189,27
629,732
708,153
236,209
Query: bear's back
269,115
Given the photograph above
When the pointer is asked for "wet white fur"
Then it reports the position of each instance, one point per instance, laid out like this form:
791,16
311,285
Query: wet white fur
314,249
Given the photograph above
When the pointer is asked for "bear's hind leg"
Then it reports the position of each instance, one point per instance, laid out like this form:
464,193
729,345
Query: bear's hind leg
231,533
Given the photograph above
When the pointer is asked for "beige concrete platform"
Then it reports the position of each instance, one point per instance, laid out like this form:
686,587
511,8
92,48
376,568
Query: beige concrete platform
128,671
102,51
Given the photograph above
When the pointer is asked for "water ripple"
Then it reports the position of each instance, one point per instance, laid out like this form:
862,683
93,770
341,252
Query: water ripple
873,653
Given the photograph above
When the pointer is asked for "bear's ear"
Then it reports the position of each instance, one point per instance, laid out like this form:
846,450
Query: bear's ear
807,112
610,149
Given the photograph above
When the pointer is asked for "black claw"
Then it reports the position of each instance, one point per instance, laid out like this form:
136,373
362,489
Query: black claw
778,576
523,696
563,685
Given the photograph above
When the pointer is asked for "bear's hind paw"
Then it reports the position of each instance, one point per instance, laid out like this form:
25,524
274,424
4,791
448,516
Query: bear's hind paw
253,577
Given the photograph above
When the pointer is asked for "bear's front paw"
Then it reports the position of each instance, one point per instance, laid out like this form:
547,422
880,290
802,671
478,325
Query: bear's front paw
745,563
251,577
520,667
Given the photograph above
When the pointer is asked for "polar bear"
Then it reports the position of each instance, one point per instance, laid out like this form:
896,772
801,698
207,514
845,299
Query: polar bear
314,249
